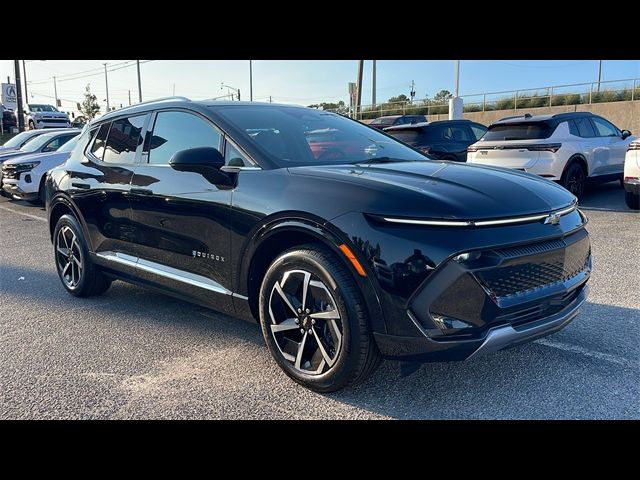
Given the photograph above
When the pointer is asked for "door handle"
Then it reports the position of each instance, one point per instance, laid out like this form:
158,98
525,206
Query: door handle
84,186
141,191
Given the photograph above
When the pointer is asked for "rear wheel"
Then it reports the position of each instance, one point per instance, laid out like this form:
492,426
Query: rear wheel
574,179
314,320
632,200
79,276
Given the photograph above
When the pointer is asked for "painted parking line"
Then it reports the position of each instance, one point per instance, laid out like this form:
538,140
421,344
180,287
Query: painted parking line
34,217
589,353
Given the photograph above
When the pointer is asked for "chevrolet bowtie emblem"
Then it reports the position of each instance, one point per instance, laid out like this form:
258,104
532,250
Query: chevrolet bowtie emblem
552,219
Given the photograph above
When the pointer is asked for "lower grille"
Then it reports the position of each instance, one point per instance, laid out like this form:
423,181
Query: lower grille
9,172
557,262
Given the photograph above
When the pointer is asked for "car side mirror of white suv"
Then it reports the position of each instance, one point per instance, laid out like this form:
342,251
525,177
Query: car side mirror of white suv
626,134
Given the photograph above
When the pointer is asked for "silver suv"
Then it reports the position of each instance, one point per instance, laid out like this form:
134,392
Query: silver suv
38,115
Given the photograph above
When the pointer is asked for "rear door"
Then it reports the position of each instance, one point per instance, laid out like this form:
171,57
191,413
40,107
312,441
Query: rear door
181,219
614,148
100,184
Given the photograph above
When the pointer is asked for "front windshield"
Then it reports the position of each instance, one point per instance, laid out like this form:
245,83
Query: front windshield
70,145
383,121
18,140
41,108
294,136
36,143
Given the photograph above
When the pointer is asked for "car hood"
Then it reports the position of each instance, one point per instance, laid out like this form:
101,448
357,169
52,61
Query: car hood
447,190
9,154
52,158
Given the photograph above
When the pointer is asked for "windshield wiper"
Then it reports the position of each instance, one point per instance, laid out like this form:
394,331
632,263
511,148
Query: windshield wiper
379,160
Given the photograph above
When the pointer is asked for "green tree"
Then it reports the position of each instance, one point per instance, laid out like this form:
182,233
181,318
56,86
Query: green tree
339,107
398,99
442,96
90,107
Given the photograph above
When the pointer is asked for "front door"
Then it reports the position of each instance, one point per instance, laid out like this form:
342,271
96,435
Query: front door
612,142
181,219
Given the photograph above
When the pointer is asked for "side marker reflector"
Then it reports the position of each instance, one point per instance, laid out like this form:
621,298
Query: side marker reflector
353,260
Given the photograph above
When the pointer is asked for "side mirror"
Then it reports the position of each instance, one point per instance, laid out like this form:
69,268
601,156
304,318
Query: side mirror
198,160
626,134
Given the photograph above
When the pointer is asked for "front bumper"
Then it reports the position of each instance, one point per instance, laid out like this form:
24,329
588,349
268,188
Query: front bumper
52,124
16,185
496,338
632,186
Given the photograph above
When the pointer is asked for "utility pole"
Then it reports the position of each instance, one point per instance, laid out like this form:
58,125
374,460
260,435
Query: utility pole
457,75
412,93
55,90
373,85
129,97
16,72
174,89
24,69
139,82
456,107
599,73
250,81
359,93
238,94
270,101
106,82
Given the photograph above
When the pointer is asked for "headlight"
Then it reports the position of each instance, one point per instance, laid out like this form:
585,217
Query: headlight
25,167
467,257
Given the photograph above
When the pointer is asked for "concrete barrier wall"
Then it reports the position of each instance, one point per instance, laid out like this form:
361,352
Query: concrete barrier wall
625,115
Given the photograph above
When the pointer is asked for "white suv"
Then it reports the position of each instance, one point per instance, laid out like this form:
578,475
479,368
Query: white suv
39,116
570,148
632,176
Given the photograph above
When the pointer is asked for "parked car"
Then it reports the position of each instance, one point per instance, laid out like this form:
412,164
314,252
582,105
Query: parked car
570,148
49,142
79,122
38,115
23,177
632,175
442,139
392,120
21,139
226,204
9,119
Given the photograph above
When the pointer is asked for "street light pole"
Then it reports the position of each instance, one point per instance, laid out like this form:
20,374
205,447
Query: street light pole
359,87
373,85
139,82
106,82
599,73
55,90
16,73
250,81
24,69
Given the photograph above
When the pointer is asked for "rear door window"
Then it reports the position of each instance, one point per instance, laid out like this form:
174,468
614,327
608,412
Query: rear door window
124,138
97,148
584,127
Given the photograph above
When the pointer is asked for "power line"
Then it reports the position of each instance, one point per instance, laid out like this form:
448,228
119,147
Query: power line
77,76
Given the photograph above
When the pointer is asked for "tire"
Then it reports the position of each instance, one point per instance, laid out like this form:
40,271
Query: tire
574,179
337,345
79,276
632,200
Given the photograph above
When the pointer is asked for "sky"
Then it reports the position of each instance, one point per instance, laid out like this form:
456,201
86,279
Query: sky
301,82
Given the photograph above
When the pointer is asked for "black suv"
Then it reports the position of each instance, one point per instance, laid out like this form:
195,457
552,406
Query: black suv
442,139
375,251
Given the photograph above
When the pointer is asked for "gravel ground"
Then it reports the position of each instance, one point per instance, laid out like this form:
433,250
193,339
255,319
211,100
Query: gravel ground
131,353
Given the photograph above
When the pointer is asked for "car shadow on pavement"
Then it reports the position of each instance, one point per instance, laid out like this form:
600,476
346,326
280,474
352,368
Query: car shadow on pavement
606,197
580,372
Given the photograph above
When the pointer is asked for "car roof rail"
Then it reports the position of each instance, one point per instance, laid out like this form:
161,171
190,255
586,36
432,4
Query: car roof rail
155,100
572,114
526,115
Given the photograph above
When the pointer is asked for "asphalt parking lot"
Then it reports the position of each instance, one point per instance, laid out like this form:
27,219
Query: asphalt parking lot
131,353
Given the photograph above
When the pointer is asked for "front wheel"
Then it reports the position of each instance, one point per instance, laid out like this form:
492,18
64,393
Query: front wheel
632,200
314,320
574,179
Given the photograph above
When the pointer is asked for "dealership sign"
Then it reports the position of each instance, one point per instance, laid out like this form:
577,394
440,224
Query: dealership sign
9,97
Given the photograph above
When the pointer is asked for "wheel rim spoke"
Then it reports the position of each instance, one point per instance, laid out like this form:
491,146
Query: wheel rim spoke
328,315
284,297
305,289
303,342
288,324
335,332
70,260
63,251
325,355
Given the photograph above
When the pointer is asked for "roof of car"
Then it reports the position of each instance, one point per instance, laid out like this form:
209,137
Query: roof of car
558,117
409,126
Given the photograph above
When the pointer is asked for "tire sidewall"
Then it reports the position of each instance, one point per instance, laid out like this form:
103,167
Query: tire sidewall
342,370
573,166
71,222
